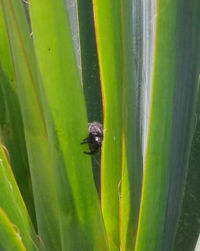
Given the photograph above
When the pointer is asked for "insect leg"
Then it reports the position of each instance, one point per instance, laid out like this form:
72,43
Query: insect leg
90,153
86,141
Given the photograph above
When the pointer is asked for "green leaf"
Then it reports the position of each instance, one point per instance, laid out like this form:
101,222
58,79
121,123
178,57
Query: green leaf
11,126
72,10
90,67
188,229
109,45
187,73
12,203
80,216
90,73
10,239
174,86
41,167
133,63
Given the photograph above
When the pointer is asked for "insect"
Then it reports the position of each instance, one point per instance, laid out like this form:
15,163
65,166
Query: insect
95,138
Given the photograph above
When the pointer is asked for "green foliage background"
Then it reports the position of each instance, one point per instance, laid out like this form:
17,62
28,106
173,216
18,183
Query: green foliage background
133,65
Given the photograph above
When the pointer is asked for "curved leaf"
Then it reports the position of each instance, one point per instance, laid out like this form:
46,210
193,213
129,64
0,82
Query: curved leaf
10,239
12,203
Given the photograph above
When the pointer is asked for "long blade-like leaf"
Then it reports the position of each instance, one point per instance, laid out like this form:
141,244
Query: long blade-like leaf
80,218
109,45
188,229
11,126
90,73
35,128
171,118
132,89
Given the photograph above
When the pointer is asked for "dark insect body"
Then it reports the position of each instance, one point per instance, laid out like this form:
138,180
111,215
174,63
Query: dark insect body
95,138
